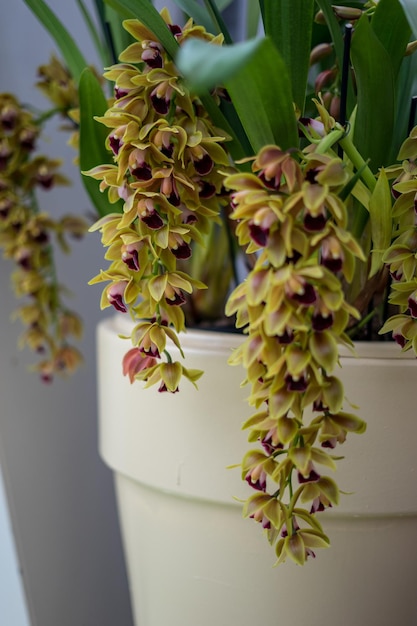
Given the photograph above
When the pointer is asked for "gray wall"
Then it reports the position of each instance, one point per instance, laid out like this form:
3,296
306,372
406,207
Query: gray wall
59,492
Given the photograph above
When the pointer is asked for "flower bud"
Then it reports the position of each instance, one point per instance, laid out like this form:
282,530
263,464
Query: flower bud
324,79
320,52
347,13
411,47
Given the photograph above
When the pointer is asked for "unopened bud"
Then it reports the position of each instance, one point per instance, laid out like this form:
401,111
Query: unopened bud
411,47
334,108
346,13
319,18
324,79
319,52
327,98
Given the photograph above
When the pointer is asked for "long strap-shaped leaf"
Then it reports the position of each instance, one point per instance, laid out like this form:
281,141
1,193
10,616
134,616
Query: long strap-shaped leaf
144,11
66,44
256,78
338,44
289,24
92,139
390,25
261,94
215,15
410,8
374,122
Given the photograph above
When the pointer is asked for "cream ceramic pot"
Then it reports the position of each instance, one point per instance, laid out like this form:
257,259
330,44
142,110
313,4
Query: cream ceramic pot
193,560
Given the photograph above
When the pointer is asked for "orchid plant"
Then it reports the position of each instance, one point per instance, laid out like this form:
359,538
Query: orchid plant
294,150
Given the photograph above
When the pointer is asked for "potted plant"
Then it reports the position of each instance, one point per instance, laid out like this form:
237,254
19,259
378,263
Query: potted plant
291,154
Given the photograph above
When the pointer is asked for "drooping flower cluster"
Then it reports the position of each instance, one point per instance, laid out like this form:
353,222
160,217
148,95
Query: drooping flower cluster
293,309
401,256
26,237
167,162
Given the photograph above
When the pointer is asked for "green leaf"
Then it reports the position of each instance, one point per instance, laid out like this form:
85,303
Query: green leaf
205,65
257,81
109,53
94,33
261,94
390,25
146,13
410,9
289,23
121,39
338,43
66,44
380,209
374,122
92,139
220,24
252,19
199,14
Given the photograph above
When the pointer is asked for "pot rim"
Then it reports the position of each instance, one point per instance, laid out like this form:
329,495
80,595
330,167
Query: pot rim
215,340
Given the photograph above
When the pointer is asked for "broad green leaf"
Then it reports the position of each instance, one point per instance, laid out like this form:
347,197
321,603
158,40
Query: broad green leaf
261,94
410,9
215,15
66,44
252,19
223,4
226,120
109,50
338,43
334,28
390,25
374,122
257,81
289,24
121,39
380,206
146,13
199,13
206,65
406,89
92,139
94,32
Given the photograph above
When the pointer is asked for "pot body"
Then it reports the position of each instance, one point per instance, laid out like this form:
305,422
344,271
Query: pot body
193,560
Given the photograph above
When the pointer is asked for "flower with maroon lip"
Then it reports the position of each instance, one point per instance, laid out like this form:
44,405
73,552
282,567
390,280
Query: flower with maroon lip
170,190
151,337
169,375
115,294
138,167
276,167
152,55
130,255
148,214
296,383
332,255
311,477
322,320
135,362
115,142
299,290
182,250
412,304
264,509
255,468
299,545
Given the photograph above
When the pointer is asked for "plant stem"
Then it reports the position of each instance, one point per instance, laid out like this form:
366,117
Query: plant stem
358,161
